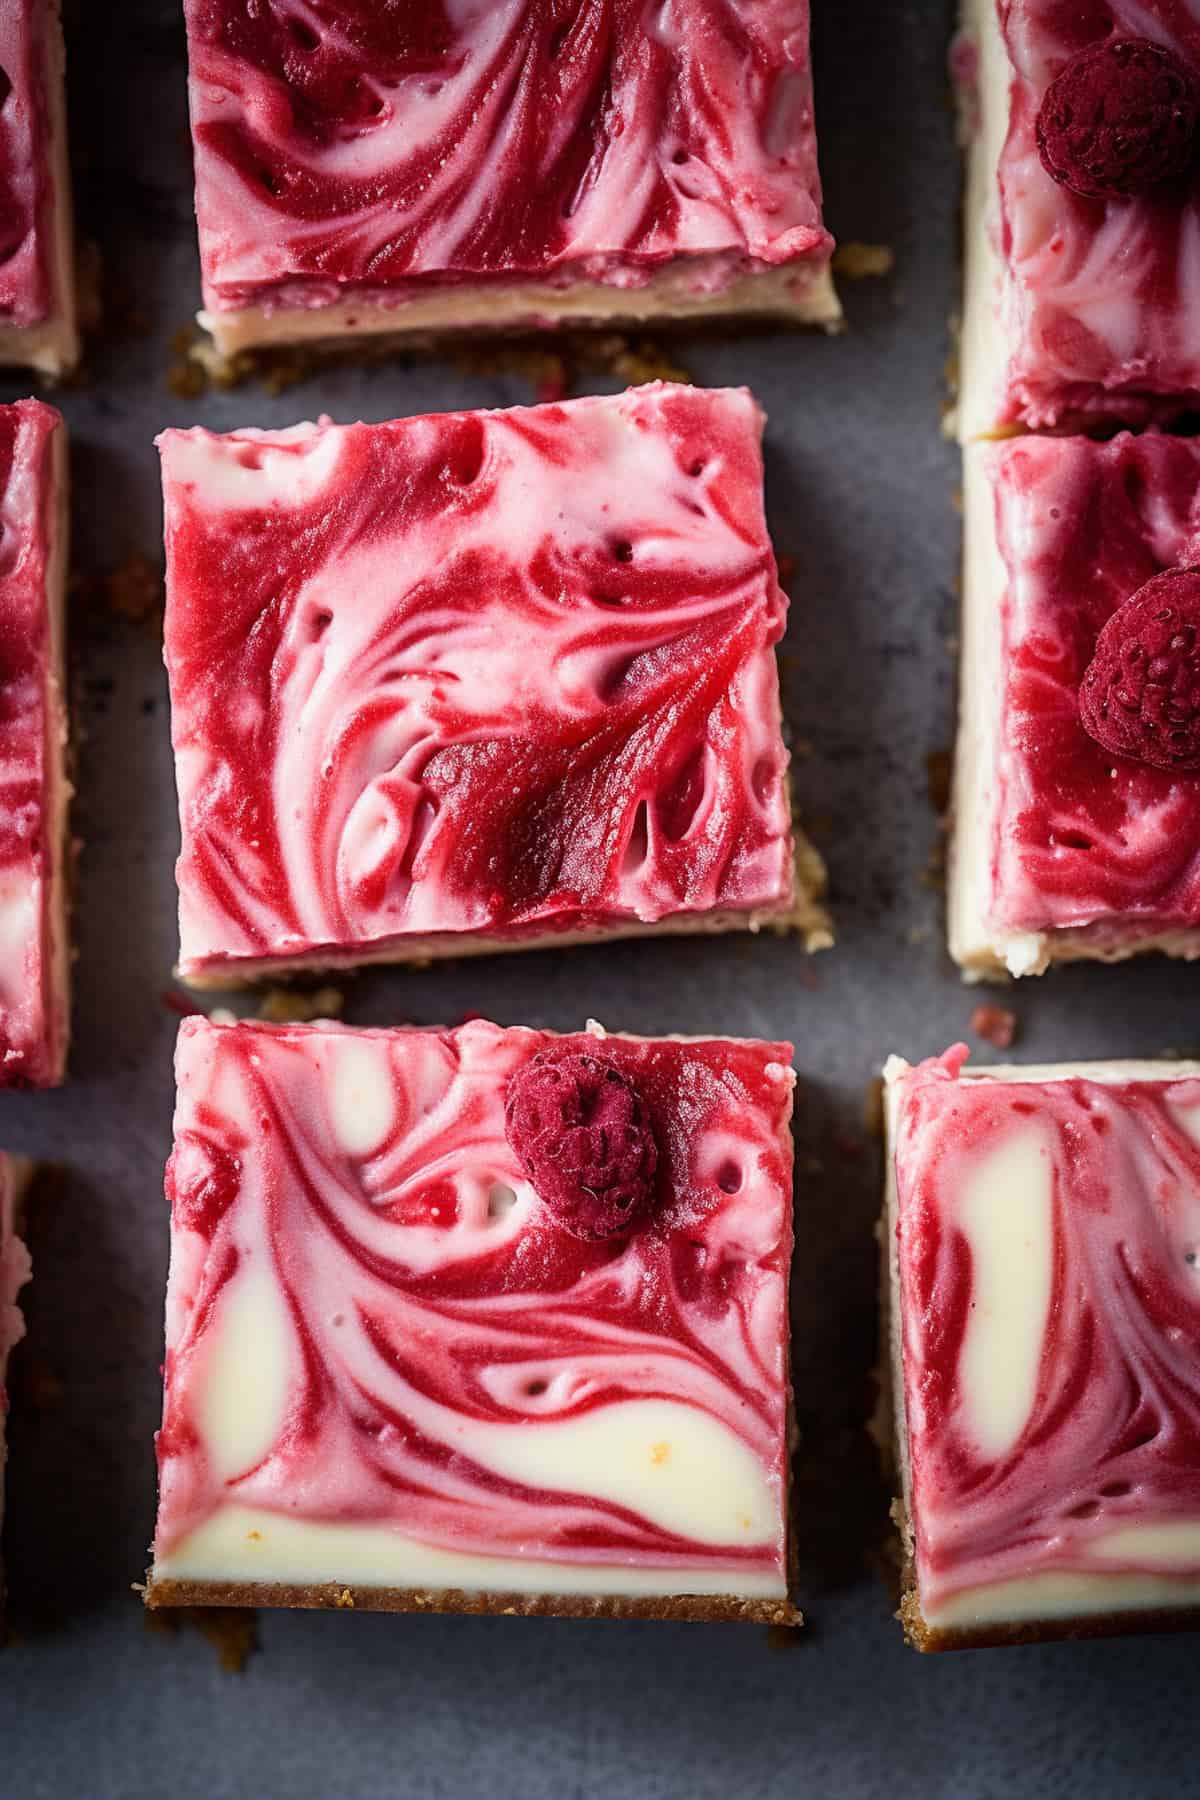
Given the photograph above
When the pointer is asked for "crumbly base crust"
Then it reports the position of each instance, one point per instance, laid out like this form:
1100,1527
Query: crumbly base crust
795,292
804,915
326,1596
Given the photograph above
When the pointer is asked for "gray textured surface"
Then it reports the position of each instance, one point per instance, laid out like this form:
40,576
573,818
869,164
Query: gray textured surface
93,1704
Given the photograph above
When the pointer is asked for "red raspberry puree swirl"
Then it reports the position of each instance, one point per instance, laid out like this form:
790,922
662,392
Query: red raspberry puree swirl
1086,840
363,148
31,1028
1053,1403
363,1271
497,674
1103,307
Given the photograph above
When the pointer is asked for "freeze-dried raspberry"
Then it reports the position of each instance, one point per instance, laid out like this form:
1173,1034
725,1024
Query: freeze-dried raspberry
1119,118
1140,695
581,1132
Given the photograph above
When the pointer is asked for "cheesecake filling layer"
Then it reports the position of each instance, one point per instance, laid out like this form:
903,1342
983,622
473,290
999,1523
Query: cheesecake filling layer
1062,849
1077,309
483,677
33,792
1048,1236
388,1363
365,158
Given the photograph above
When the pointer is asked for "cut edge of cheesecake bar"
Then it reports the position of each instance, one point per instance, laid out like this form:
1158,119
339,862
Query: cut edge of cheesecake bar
803,915
982,353
789,292
984,949
990,1633
51,347
59,789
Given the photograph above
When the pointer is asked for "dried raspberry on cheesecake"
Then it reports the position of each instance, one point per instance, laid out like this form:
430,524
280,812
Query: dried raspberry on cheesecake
34,948
1077,777
366,169
15,1268
475,681
1044,1234
1082,212
37,300
397,1378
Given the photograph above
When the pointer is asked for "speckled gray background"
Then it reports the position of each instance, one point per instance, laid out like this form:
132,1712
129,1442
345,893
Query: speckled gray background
860,493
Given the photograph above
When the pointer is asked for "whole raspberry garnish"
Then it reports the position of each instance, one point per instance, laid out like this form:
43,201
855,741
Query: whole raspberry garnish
583,1136
1119,118
1140,694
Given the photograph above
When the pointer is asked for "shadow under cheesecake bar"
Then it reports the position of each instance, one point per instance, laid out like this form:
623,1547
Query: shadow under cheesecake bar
34,792
379,176
477,681
16,1173
1043,1298
477,1320
37,294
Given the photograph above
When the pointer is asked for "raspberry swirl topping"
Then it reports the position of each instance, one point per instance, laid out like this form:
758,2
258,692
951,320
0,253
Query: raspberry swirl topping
360,146
1048,1234
487,673
374,1324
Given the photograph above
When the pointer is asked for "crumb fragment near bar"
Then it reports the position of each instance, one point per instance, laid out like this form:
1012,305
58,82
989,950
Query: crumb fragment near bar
858,261
997,1025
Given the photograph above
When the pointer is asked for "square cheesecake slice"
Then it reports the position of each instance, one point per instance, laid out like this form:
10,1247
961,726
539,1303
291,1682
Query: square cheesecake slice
1077,775
478,1320
34,794
423,170
476,681
15,1269
1082,209
37,278
1044,1235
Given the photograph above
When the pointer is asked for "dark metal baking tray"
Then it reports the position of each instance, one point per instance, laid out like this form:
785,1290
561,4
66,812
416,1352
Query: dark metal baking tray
860,487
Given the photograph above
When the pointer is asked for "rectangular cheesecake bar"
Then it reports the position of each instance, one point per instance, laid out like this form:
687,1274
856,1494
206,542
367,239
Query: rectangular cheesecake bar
477,1320
1063,846
1044,1247
34,944
476,681
428,170
37,280
15,1270
1082,209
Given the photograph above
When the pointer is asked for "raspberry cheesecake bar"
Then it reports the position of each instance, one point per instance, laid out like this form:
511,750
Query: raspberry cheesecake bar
1082,211
34,948
15,1269
1044,1226
479,1320
1077,782
37,300
414,170
475,681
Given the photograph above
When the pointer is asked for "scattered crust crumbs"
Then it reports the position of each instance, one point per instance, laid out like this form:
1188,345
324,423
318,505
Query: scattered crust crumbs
996,1025
551,372
856,261
288,1006
132,590
232,1629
